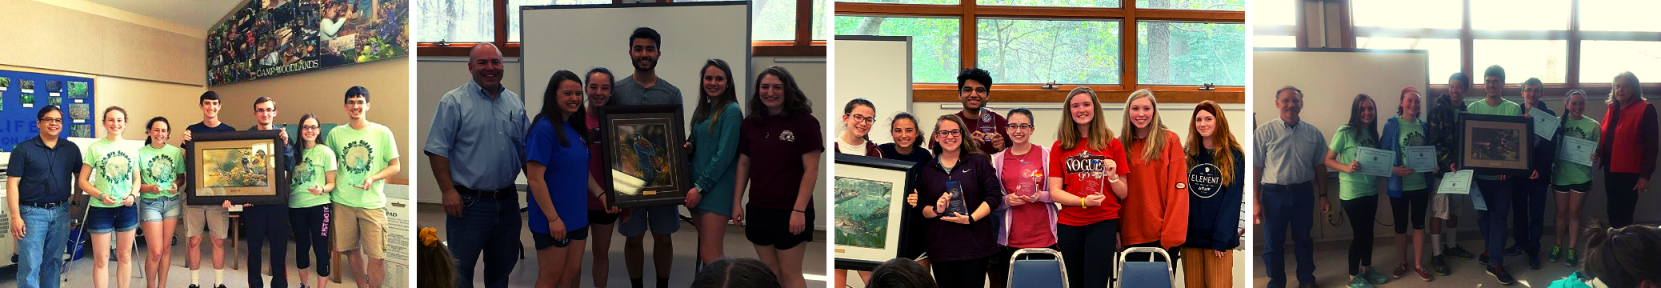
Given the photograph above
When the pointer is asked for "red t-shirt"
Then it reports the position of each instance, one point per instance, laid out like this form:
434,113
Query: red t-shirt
1029,225
775,148
1083,172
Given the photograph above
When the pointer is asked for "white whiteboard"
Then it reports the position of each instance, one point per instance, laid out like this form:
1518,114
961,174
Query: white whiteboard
581,37
877,68
1330,79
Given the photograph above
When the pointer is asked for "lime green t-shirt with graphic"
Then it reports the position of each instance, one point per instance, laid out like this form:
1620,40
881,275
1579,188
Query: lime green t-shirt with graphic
1506,108
1410,134
1570,173
112,170
361,154
311,171
1347,142
161,167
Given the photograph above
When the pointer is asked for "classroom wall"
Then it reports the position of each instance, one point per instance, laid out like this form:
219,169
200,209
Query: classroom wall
100,42
442,74
323,93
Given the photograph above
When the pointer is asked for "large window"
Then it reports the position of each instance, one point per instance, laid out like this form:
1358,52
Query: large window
449,27
1111,45
1543,39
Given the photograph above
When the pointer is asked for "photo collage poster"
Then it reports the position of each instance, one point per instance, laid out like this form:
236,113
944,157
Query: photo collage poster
268,38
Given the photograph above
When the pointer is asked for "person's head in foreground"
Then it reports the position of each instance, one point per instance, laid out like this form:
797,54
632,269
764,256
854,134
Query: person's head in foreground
438,267
1625,256
900,273
736,273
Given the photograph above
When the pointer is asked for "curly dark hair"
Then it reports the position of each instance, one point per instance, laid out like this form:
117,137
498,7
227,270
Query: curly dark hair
795,101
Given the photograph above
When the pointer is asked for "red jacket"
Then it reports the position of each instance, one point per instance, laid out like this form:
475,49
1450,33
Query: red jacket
1629,139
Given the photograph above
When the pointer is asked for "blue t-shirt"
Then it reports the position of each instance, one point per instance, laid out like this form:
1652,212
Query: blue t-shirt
567,184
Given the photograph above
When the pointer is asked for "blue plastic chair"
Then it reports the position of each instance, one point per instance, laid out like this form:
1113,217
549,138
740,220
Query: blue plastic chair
1149,274
1037,273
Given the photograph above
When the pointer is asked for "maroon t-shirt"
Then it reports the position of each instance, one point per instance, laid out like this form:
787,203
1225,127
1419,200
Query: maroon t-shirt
594,161
994,123
775,147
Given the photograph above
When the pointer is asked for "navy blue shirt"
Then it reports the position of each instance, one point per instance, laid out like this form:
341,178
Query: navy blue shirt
47,173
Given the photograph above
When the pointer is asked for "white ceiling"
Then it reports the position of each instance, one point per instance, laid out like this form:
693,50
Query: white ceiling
195,14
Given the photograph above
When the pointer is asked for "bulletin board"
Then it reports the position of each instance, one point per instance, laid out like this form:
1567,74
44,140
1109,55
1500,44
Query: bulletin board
22,94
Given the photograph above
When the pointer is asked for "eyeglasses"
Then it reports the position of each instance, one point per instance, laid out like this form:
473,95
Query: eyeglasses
1019,126
52,120
982,90
309,127
264,110
949,133
354,102
862,118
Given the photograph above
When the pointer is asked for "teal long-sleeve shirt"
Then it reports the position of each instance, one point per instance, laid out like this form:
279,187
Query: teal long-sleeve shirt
715,151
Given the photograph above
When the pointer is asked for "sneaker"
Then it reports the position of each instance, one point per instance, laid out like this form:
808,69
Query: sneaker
1456,252
1500,275
1483,259
1439,264
194,286
1423,274
1514,250
1534,262
1571,259
1400,271
1556,250
1373,276
220,286
1357,282
1308,286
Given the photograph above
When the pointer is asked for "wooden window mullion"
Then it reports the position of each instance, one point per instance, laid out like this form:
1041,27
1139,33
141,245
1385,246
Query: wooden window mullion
968,35
1127,47
1573,79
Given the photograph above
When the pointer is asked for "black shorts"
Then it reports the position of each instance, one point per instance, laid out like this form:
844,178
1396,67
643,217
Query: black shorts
601,217
771,227
544,240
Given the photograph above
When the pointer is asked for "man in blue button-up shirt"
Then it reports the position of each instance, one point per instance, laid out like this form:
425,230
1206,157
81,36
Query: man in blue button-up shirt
37,188
481,125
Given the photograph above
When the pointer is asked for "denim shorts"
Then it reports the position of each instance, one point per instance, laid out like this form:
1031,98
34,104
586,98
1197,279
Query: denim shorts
156,210
119,219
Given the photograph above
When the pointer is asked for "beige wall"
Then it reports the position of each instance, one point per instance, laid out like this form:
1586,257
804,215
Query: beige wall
151,72
323,93
65,39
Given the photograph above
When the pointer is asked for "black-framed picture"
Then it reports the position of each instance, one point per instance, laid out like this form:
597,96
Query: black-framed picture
1492,144
644,162
238,166
870,199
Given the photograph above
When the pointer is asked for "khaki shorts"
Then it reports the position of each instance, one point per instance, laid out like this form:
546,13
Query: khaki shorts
1444,206
353,224
215,217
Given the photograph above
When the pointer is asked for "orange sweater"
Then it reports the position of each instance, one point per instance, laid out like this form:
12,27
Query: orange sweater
1156,207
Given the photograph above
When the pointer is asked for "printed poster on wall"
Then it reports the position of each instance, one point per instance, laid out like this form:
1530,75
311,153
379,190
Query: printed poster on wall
268,38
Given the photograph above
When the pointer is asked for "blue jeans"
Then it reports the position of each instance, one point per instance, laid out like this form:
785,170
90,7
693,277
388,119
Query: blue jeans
40,253
490,226
1283,206
1529,208
1497,195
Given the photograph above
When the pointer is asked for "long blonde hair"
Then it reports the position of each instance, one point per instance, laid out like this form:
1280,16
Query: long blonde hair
963,144
1156,140
1221,137
1068,134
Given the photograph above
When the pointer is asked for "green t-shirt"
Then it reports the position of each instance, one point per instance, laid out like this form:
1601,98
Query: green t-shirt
161,167
112,170
1569,173
1506,108
311,172
1410,134
361,153
1346,142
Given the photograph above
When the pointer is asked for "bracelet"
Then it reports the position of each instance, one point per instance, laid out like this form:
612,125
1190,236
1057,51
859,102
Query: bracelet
803,212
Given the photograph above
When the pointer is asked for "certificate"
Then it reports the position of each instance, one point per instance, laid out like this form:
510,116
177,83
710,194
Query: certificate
1544,123
1375,162
1420,158
1578,151
1458,182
